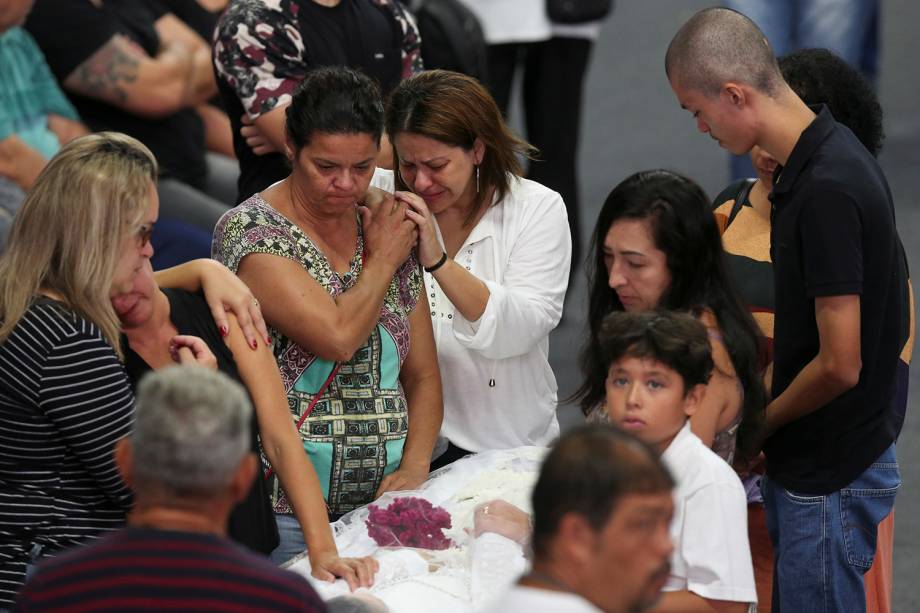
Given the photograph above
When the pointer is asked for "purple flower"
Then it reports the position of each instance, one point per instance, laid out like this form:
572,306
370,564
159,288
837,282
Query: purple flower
409,522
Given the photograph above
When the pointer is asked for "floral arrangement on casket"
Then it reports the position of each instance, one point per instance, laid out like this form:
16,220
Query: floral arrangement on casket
409,522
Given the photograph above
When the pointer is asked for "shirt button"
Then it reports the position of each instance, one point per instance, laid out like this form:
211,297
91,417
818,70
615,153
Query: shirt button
450,317
432,313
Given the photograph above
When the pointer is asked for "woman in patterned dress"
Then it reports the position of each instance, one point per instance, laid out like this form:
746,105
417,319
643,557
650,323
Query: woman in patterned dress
338,281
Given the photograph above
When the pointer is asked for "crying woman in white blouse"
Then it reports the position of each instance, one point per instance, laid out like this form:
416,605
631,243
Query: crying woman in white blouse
496,252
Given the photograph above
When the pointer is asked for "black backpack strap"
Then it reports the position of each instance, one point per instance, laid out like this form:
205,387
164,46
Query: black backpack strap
740,198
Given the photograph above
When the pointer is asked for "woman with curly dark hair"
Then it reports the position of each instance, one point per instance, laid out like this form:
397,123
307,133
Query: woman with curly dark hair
656,245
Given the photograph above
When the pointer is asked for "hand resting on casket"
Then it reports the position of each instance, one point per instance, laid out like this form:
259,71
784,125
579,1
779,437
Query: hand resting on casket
502,518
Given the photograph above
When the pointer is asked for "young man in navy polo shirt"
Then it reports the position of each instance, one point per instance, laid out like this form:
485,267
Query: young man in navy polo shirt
840,283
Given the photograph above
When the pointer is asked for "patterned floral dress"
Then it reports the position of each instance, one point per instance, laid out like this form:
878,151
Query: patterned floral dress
355,433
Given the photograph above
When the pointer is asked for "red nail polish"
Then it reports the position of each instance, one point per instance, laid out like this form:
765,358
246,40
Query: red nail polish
223,331
268,340
254,344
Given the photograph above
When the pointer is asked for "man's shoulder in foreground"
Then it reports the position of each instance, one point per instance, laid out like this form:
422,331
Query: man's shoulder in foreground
149,569
536,600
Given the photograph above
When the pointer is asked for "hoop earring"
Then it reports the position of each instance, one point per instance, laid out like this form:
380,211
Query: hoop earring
477,178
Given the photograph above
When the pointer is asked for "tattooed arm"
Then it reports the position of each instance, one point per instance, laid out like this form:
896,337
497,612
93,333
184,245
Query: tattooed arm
122,74
173,30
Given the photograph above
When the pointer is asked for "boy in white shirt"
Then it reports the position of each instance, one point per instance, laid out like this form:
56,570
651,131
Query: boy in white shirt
659,364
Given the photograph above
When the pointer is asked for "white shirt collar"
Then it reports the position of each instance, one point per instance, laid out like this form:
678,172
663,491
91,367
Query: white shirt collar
683,440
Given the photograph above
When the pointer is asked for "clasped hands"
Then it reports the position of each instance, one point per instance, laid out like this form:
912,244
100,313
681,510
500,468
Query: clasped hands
394,224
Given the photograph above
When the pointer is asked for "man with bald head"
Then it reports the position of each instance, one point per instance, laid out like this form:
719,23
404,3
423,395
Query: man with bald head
839,285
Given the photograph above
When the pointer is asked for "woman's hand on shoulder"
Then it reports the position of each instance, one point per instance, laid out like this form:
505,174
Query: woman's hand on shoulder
357,572
429,249
224,292
191,350
389,235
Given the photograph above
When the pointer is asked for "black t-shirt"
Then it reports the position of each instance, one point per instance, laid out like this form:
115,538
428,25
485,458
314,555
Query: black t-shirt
833,234
194,16
69,32
252,522
355,33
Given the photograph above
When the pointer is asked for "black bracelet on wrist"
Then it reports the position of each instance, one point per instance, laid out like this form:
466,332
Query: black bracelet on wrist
430,269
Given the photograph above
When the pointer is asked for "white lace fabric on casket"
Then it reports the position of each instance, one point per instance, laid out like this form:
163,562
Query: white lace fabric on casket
464,577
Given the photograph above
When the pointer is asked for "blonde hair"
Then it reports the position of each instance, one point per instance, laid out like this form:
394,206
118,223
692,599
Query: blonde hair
66,237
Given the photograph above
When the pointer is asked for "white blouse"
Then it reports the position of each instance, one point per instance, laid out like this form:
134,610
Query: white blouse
499,389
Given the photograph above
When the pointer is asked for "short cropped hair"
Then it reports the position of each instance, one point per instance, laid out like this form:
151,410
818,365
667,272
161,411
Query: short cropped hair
191,431
334,100
677,340
588,471
820,77
718,45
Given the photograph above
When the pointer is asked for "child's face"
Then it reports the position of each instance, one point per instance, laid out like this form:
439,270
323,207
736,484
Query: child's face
647,398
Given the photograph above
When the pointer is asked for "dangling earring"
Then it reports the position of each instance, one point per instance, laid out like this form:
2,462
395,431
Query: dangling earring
477,178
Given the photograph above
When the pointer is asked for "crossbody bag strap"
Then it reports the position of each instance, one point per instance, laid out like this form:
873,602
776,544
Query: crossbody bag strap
740,199
323,388
310,407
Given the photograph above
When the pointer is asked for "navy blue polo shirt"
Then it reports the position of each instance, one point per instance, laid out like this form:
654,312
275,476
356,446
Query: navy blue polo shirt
833,234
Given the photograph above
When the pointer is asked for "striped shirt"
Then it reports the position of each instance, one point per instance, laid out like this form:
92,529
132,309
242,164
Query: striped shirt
145,569
64,401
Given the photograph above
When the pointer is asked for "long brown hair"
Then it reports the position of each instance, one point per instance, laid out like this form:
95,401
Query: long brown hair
454,109
67,235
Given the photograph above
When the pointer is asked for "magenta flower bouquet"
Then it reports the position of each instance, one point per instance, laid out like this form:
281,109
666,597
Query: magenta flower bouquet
409,522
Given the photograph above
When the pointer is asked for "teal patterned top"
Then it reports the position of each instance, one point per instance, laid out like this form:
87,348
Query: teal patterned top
356,432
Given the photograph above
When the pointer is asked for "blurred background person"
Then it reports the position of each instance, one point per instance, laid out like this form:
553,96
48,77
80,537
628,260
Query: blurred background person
36,119
199,15
35,116
263,49
131,66
552,60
